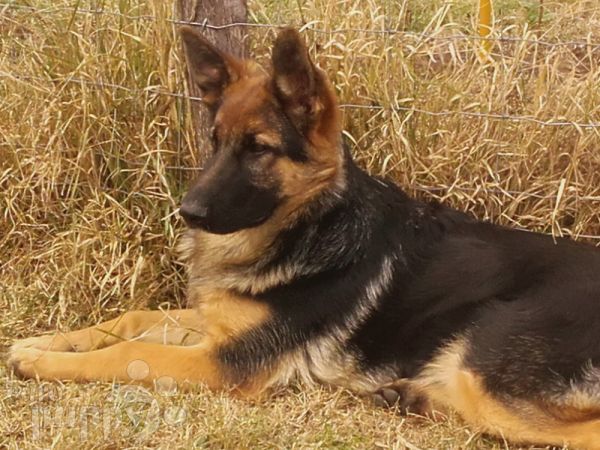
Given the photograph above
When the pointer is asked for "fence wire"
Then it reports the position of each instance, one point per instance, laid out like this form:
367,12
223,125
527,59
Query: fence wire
312,27
407,109
306,27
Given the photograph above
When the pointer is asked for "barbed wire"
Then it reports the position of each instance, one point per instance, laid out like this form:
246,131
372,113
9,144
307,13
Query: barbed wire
145,192
407,109
429,189
440,190
308,27
311,27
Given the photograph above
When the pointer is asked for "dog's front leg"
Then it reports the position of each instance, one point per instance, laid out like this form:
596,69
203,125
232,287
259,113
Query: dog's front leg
130,361
179,327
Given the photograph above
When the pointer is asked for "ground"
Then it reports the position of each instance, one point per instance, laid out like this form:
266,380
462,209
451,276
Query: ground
45,415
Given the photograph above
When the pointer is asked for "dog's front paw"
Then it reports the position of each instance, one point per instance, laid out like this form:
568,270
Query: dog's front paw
50,342
403,395
22,361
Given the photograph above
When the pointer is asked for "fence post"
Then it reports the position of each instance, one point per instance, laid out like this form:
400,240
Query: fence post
485,26
232,40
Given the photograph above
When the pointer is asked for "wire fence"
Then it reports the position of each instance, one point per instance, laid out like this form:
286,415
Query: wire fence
468,114
306,27
310,27
588,45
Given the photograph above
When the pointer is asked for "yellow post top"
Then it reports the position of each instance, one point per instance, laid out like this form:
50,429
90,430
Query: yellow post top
485,25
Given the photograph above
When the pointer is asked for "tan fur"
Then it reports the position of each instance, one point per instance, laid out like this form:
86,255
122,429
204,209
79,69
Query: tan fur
235,67
324,361
269,138
303,182
184,365
46,357
167,327
448,384
224,316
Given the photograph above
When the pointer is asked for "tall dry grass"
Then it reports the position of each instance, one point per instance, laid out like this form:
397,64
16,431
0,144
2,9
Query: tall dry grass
93,159
512,172
88,194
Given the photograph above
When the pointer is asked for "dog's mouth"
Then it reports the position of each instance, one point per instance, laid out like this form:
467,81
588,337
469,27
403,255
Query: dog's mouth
226,227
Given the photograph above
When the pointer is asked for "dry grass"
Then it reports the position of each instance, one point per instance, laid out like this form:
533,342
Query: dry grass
90,178
97,416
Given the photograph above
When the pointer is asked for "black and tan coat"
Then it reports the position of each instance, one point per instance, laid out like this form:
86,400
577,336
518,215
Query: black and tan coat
303,266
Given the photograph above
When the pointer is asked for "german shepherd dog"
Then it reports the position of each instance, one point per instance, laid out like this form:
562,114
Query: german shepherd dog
303,266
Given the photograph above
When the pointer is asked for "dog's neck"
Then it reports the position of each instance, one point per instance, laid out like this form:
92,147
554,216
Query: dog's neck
258,259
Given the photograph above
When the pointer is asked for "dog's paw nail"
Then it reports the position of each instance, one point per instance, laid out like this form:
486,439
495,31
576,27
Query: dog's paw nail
404,396
390,395
378,400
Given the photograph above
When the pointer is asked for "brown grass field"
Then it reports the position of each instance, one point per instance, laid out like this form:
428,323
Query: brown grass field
93,160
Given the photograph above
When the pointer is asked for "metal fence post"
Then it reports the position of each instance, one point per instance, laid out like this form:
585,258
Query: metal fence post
485,26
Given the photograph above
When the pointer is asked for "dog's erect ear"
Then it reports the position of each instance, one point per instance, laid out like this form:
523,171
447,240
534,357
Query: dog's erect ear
298,84
211,69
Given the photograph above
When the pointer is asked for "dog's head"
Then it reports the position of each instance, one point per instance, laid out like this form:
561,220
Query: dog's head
276,135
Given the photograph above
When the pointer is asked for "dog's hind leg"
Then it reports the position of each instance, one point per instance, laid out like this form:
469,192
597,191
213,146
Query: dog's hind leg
177,327
570,416
526,420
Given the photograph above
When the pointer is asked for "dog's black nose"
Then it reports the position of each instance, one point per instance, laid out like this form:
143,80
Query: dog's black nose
193,213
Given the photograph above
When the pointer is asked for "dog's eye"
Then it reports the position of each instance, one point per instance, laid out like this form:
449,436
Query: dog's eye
259,149
256,148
